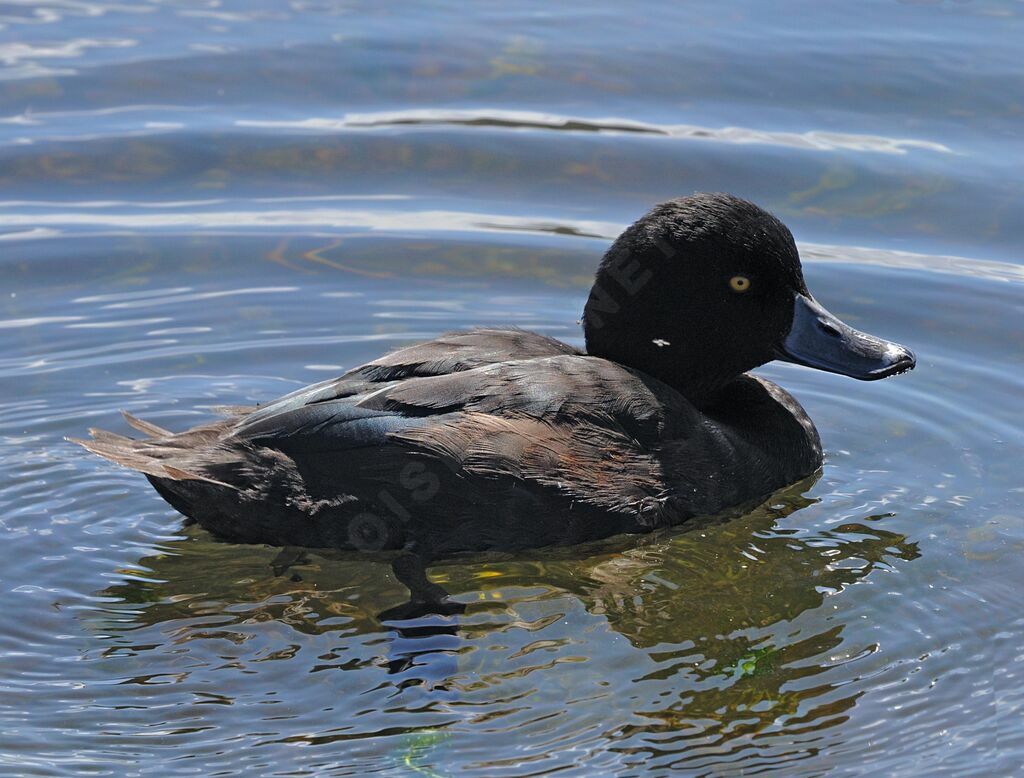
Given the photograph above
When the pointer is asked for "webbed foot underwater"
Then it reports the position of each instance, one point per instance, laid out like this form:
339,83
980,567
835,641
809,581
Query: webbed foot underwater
501,439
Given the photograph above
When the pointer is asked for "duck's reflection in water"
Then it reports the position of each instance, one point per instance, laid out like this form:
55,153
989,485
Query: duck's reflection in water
712,608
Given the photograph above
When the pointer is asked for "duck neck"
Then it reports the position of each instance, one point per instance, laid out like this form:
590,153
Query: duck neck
695,378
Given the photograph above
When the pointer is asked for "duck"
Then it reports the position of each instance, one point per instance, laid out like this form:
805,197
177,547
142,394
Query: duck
501,439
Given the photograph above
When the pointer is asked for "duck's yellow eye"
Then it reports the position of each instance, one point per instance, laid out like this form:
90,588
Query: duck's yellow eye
739,283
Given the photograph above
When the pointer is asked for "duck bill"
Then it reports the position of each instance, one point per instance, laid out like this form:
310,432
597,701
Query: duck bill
820,340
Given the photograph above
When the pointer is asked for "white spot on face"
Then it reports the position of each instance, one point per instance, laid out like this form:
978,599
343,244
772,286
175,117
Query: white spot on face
660,342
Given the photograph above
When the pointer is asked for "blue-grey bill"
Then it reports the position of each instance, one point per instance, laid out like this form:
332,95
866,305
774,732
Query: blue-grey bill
820,340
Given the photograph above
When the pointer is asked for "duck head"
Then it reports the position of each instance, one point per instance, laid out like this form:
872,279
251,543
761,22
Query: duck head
707,287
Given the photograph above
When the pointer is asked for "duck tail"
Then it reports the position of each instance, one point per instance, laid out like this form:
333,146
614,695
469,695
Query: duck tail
145,426
159,455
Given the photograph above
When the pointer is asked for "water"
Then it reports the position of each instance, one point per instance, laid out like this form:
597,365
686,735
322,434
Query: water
216,202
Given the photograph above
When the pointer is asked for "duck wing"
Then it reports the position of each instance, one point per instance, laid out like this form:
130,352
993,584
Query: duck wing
519,453
452,352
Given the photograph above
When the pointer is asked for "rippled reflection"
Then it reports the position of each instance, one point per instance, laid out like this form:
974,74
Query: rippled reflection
823,141
716,611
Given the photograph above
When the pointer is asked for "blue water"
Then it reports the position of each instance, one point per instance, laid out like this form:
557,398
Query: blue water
211,203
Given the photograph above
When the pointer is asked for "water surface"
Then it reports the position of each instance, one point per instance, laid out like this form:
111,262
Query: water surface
209,203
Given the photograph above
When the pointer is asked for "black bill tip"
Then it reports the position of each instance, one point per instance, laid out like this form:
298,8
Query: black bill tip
900,359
